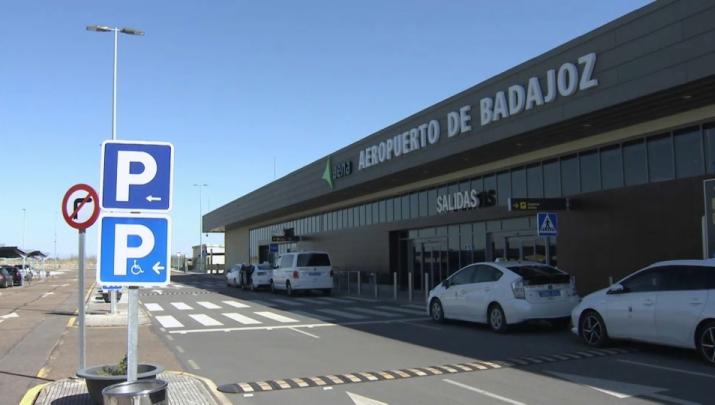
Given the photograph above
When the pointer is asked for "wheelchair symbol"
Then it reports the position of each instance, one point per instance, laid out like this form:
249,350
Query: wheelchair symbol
136,269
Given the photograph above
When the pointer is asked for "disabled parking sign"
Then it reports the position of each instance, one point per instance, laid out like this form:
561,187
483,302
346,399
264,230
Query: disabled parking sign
135,250
136,176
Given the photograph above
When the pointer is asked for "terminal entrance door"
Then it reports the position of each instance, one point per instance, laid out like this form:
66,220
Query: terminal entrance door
426,256
521,245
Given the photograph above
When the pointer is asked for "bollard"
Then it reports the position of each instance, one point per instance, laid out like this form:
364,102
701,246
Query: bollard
426,286
359,283
394,286
374,277
409,287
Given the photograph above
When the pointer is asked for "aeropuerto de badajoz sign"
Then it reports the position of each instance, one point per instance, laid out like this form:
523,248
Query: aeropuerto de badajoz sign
566,80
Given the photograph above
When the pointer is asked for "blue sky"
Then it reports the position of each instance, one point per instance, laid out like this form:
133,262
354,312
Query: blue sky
233,84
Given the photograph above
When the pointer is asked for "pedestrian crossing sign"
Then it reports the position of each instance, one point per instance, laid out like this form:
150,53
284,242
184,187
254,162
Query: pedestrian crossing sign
546,224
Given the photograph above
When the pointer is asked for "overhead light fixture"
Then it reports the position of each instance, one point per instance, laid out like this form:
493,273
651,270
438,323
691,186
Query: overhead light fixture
687,97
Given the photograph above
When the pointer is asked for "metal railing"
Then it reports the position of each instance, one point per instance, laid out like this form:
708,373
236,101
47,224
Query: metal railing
380,285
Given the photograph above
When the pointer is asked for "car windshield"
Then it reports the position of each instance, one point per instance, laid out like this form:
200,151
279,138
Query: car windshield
539,274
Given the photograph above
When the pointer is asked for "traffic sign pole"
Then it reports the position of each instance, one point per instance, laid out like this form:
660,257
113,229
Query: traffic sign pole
80,278
132,334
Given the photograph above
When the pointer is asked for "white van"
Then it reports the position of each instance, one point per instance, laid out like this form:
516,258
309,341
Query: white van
303,271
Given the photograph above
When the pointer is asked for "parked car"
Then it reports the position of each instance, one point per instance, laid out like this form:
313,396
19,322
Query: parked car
670,303
303,271
5,278
504,293
232,275
256,276
15,273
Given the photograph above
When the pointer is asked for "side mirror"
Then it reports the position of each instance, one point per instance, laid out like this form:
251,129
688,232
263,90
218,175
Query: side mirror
445,283
616,289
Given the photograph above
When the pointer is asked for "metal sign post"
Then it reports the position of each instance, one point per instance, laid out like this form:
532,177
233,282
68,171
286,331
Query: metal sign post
71,212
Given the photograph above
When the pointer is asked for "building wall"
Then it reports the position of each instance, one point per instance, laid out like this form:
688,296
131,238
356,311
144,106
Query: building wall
236,243
613,233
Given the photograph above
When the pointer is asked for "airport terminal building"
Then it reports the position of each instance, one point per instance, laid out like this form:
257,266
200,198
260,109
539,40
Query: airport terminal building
613,131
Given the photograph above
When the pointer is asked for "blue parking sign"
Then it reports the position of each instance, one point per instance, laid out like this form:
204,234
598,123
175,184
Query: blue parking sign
136,176
134,250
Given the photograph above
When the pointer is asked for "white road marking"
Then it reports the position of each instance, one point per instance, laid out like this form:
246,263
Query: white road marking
169,337
205,320
305,333
10,315
169,321
157,291
193,364
153,307
179,349
181,306
321,317
235,304
327,388
308,325
342,314
47,293
208,305
275,317
315,301
402,310
286,302
618,389
373,312
361,400
241,318
677,370
485,393
363,299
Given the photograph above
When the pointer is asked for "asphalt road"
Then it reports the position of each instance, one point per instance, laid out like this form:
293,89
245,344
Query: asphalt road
344,350
32,319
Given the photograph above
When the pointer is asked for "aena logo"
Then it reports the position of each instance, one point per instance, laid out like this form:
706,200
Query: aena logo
334,172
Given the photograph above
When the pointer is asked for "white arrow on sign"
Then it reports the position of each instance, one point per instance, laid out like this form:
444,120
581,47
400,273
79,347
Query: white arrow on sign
156,267
361,400
151,198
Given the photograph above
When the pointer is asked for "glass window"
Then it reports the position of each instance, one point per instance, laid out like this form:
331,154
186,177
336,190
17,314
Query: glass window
590,172
709,132
390,210
464,276
534,182
382,215
477,184
465,238
682,278
414,205
432,202
405,207
486,274
398,208
313,260
570,179
518,182
490,183
375,212
660,158
611,167
552,179
634,163
454,249
503,188
287,261
688,152
423,202
464,186
361,215
479,234
647,280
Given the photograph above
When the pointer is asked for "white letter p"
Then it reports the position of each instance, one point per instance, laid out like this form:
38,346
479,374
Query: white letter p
125,178
122,251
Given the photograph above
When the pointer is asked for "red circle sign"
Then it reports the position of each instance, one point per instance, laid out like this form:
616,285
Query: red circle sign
70,217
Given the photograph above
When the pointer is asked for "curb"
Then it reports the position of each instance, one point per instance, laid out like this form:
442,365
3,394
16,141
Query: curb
31,394
213,388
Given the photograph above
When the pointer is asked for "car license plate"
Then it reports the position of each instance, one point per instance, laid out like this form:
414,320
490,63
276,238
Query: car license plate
314,273
549,293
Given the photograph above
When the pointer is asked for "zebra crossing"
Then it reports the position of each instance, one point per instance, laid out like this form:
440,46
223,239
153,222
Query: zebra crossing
176,315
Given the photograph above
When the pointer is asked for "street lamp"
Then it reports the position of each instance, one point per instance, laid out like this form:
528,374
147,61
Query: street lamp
116,30
201,237
24,214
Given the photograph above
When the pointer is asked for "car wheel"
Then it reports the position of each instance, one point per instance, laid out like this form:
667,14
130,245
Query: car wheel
497,319
436,311
706,342
592,329
289,289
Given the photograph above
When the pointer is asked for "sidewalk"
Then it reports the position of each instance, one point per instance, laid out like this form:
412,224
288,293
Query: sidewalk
107,344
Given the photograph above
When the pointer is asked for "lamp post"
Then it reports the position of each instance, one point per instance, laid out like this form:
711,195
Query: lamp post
201,237
24,215
116,31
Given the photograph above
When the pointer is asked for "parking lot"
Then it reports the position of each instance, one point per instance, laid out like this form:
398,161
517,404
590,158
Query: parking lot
321,349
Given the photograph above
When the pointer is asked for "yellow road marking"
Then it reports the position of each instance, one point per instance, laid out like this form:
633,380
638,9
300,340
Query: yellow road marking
31,394
44,372
70,322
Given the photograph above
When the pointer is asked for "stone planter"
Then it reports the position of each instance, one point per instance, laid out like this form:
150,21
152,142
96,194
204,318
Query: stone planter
96,381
